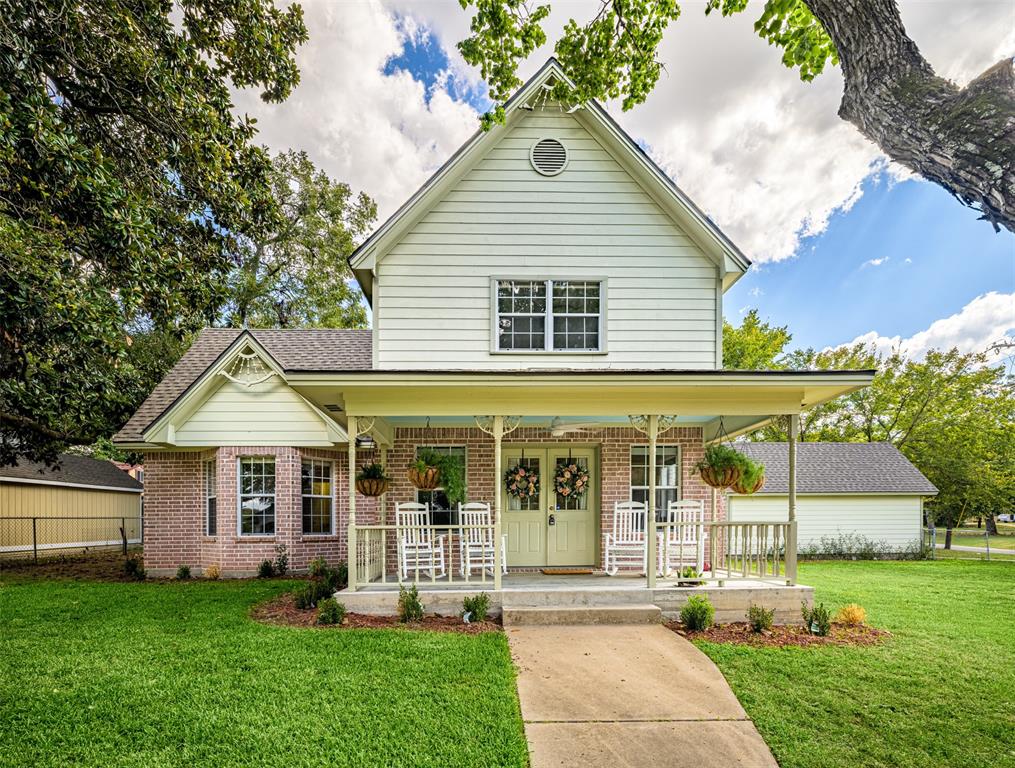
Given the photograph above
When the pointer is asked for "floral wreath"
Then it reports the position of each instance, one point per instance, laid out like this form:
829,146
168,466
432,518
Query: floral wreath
571,480
521,483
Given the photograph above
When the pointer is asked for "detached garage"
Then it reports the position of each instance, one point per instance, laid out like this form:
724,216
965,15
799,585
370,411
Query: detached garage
853,490
83,504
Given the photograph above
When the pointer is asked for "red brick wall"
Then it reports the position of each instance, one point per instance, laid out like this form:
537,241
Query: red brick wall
174,500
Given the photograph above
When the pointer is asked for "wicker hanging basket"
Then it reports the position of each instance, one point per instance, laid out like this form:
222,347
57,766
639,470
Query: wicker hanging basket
720,478
425,480
737,487
372,486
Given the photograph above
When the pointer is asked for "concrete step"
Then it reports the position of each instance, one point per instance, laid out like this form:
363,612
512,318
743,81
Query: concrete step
592,614
574,598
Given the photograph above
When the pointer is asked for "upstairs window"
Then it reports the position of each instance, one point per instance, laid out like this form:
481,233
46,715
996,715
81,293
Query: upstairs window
549,316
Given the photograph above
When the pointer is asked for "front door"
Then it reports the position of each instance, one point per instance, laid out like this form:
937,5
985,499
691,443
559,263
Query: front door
550,529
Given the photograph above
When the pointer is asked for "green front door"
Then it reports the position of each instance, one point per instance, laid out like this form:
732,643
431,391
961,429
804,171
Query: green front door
549,529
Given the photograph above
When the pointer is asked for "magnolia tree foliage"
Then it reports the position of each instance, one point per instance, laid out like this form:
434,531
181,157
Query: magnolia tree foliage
126,184
960,138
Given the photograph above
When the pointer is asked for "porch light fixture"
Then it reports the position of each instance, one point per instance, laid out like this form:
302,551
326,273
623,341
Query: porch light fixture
366,441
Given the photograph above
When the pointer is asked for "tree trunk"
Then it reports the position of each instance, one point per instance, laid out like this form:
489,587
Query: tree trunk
962,139
948,538
979,522
991,525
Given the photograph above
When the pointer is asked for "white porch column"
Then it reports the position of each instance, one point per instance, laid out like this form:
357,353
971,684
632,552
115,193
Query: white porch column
650,517
353,429
383,501
794,430
498,435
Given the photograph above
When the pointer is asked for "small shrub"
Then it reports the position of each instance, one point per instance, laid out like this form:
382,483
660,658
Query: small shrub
212,571
330,611
852,615
410,609
478,606
818,620
855,546
281,559
698,614
183,573
341,575
134,568
318,567
760,618
265,570
313,594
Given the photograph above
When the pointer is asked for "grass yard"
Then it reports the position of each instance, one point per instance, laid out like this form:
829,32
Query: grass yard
171,674
941,692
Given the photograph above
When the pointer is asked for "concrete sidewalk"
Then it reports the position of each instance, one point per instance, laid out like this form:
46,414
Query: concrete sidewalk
630,695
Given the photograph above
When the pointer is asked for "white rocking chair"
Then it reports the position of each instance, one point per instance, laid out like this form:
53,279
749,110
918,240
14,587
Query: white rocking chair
476,545
681,541
626,543
418,548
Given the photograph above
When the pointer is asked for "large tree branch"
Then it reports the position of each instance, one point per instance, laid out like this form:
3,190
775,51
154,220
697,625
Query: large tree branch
960,138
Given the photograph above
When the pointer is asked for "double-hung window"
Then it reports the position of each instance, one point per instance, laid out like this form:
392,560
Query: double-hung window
440,508
667,475
257,496
549,315
210,499
318,519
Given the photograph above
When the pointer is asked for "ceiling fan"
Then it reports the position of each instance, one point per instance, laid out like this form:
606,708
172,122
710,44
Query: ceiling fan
558,427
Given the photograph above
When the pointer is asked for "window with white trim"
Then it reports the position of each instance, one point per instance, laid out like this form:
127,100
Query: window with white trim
667,475
256,515
318,517
210,498
440,508
549,315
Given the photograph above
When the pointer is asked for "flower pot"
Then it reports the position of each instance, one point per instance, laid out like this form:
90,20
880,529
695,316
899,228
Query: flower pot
425,480
372,486
758,485
720,478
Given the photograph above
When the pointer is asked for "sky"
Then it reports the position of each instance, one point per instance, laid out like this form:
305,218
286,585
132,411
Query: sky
846,245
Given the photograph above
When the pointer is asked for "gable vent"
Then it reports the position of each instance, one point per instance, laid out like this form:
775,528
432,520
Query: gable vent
548,156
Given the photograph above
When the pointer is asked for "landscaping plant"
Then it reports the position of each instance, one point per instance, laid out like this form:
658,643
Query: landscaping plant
410,609
133,567
760,618
183,573
817,619
852,615
330,611
265,570
698,615
212,571
282,559
478,606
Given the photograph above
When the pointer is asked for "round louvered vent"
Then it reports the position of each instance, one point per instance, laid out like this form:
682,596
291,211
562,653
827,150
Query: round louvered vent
548,156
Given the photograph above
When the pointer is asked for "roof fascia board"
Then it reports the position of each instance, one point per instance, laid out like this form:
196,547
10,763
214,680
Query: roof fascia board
531,379
65,484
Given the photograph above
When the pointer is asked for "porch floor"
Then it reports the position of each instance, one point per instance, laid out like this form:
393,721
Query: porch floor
528,581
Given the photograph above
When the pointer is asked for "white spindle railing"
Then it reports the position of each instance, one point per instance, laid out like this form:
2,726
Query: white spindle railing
741,550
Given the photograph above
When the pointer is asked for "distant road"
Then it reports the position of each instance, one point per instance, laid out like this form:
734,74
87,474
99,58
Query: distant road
981,550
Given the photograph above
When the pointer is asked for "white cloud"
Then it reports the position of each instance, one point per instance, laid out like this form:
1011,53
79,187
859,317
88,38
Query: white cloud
976,326
909,260
756,291
876,262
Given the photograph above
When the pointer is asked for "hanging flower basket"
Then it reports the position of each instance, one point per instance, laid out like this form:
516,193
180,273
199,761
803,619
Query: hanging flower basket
426,478
371,480
744,486
720,477
721,466
572,480
521,483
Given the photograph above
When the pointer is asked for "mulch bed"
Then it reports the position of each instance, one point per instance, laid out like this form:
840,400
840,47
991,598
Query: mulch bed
92,566
282,611
785,635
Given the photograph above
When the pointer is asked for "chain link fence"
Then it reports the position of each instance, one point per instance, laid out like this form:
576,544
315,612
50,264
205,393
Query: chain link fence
33,539
970,543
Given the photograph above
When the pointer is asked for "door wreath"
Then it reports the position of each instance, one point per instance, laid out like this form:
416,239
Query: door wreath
572,480
521,483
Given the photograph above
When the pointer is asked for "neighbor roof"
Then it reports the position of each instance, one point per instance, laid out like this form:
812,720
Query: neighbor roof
332,349
839,468
73,471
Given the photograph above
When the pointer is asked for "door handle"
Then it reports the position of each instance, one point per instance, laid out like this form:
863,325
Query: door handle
551,520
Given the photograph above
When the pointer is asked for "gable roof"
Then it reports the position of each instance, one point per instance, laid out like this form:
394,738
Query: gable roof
697,225
77,471
841,468
333,349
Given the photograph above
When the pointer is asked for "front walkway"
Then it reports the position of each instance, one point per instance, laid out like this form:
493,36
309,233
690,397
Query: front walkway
616,696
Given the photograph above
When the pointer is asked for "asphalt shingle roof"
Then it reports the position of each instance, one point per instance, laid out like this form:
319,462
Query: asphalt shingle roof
332,349
839,468
74,470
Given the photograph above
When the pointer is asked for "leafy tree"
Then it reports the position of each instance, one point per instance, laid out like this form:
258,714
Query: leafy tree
755,345
297,274
959,138
125,182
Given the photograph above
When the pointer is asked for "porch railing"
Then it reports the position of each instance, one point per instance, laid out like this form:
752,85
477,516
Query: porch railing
420,554
729,550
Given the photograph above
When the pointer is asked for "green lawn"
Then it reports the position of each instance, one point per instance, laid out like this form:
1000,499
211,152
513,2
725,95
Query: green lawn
940,692
973,539
171,674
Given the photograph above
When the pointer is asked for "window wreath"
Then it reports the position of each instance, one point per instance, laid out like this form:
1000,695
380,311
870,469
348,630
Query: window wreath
521,483
572,480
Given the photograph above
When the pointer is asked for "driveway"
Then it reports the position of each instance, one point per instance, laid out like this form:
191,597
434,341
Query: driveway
625,696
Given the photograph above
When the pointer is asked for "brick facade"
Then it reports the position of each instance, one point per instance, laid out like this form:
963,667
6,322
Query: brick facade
175,500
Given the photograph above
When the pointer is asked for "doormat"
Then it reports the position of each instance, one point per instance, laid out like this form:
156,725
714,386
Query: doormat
567,571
